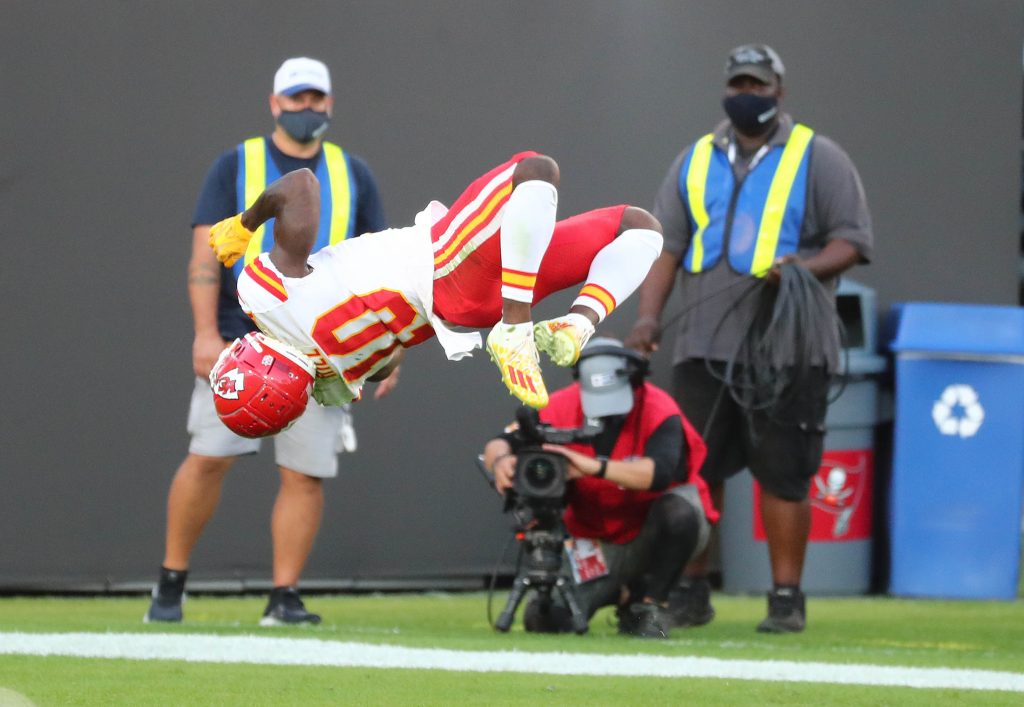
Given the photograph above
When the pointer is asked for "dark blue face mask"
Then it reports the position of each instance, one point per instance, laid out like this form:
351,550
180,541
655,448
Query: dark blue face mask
751,114
304,125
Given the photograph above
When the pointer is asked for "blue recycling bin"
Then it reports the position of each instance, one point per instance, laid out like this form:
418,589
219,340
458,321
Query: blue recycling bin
958,451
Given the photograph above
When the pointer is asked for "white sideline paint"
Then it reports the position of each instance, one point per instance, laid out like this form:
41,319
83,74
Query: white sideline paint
309,651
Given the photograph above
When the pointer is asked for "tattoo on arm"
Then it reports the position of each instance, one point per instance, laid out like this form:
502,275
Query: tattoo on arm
203,274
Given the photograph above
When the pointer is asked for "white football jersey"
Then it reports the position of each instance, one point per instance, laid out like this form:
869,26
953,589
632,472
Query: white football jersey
363,299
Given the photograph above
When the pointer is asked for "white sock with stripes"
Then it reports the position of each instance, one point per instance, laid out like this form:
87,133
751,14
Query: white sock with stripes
618,269
526,228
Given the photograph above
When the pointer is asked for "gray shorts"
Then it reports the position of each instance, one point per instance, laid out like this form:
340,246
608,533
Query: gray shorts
628,561
310,446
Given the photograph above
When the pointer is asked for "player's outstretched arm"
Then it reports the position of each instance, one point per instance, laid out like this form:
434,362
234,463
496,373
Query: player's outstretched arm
294,202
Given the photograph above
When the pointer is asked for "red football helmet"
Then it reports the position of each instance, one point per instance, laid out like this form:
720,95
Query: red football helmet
261,385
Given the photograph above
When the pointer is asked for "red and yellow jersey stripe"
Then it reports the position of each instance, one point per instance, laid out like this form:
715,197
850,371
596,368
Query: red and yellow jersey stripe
267,279
472,220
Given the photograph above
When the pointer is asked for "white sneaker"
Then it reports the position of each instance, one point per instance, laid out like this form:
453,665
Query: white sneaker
513,350
563,338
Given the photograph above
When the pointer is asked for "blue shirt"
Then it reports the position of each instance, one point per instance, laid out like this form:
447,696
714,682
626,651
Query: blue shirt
218,201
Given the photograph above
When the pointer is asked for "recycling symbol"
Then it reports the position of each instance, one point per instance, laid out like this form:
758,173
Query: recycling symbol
958,411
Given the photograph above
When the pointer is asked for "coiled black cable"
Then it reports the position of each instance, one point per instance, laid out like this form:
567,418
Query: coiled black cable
781,348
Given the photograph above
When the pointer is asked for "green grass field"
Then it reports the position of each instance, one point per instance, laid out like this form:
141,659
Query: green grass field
879,631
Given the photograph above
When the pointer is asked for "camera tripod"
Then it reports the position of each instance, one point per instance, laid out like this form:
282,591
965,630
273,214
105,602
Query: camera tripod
542,572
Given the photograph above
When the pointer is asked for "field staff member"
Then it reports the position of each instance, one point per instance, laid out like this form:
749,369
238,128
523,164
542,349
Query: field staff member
757,191
301,104
637,506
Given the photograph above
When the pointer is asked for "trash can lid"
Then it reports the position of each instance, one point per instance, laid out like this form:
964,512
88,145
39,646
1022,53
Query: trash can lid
952,328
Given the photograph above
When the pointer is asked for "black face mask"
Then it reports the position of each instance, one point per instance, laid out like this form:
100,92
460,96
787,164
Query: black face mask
751,114
303,125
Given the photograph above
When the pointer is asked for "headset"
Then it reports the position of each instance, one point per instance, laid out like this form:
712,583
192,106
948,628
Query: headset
637,366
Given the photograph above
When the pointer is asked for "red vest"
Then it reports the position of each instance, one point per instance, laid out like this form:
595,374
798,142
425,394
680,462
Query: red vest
598,508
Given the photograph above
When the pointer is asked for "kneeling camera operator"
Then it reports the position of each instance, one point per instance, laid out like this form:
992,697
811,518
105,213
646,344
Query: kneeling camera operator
614,457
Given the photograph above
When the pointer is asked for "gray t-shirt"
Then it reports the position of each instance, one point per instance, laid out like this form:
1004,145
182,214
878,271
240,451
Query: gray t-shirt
713,323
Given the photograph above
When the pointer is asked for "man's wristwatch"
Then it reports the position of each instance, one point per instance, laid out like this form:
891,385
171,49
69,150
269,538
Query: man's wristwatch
604,467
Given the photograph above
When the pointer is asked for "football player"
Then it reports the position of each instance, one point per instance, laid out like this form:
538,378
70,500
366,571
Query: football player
344,315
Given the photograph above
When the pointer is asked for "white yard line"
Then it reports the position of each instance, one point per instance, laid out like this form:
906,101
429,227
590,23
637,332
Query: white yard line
309,651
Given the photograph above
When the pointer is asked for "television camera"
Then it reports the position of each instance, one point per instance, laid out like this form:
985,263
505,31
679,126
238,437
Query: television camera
536,502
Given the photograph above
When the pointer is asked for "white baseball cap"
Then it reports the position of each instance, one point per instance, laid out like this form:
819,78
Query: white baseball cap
302,74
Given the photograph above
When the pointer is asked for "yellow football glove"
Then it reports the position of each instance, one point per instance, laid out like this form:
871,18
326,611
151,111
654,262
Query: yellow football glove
229,239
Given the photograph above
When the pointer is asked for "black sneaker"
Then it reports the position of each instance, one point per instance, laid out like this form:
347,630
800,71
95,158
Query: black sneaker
787,612
168,595
689,604
285,608
556,619
644,620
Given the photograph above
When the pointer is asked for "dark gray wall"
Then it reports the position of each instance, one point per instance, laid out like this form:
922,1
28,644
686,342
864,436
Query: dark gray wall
114,111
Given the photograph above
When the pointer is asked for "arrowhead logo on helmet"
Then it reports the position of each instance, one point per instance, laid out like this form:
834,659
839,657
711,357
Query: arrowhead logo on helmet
261,385
229,385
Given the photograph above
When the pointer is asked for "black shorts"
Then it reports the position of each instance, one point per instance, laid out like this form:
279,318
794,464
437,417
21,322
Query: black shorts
781,447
